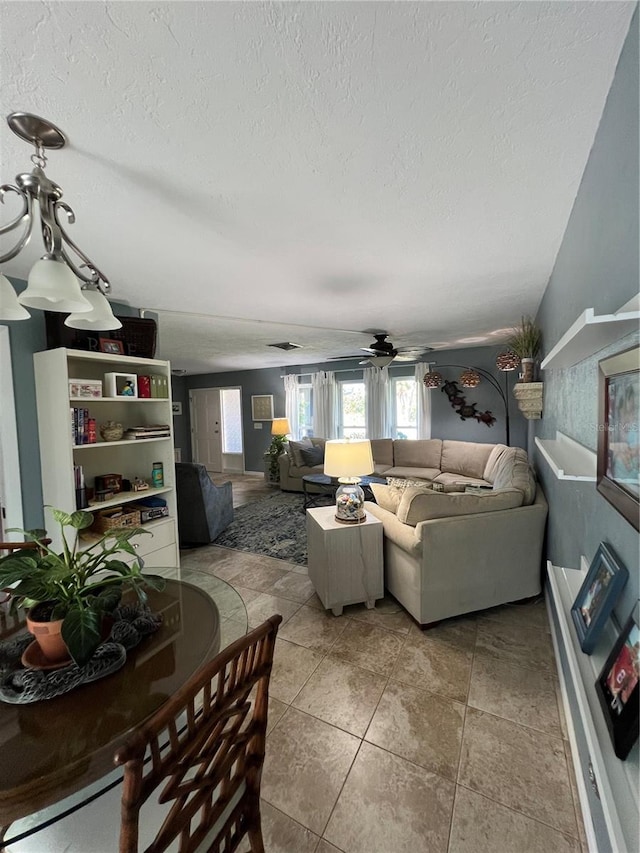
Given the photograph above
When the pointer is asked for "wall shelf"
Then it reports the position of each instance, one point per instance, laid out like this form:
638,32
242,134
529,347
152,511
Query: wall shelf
568,459
590,333
612,811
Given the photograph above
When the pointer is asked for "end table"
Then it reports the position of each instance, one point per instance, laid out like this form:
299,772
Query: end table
345,560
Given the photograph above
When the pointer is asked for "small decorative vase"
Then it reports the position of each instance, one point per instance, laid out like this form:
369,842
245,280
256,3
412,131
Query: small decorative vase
528,365
48,634
111,431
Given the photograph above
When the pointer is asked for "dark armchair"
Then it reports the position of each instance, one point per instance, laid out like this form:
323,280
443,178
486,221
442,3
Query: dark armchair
204,509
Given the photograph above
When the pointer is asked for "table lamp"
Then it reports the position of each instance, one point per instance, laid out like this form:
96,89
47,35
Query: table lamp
348,460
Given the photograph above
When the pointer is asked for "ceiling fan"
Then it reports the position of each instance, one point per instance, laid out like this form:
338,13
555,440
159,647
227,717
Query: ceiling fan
382,352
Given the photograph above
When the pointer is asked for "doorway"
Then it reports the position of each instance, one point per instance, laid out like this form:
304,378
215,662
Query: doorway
10,488
216,429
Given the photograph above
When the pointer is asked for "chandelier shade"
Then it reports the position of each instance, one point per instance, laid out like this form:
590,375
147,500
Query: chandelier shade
507,360
432,379
100,317
10,308
53,287
469,378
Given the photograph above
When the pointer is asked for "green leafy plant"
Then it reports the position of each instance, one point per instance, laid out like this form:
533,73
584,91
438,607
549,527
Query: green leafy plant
80,585
526,339
276,449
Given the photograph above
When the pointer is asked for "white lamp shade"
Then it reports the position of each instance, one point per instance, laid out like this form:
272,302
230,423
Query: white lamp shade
99,318
52,286
381,360
10,308
348,458
280,426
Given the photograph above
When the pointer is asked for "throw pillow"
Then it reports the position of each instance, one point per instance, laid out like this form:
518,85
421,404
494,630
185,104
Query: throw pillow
386,496
295,448
312,455
418,505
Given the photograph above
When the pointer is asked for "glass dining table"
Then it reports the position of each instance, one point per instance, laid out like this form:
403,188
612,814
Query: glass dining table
57,755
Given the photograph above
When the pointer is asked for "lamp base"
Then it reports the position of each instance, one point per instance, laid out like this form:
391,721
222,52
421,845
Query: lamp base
350,503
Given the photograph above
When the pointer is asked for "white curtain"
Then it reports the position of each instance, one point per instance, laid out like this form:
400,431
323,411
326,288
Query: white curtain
291,403
377,387
423,401
325,404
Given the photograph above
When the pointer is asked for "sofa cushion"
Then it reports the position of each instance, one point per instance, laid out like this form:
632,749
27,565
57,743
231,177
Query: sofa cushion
388,497
489,473
465,457
382,450
513,471
295,451
416,472
459,480
419,453
418,505
313,455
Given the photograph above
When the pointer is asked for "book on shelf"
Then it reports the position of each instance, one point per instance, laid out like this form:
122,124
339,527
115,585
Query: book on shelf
148,431
83,427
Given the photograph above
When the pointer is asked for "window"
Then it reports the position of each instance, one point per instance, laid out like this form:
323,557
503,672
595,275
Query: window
351,419
231,420
305,410
405,413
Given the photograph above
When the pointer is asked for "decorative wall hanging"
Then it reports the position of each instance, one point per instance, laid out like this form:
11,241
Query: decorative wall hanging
464,409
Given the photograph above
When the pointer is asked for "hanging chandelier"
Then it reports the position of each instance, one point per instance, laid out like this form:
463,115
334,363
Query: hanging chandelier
64,280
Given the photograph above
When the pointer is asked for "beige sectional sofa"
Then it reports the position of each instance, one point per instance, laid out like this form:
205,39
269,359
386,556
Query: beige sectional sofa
449,552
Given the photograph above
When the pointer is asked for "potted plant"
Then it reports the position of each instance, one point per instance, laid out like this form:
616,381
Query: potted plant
525,342
76,588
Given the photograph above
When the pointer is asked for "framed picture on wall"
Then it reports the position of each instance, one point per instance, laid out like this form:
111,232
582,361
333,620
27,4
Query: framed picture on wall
617,688
597,596
618,448
262,407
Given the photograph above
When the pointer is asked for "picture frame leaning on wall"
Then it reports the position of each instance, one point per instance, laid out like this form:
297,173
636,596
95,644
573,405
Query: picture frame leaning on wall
597,596
618,690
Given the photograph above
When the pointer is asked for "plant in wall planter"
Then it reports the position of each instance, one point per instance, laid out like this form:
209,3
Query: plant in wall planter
70,594
525,342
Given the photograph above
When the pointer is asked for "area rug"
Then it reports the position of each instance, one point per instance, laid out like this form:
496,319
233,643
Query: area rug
274,526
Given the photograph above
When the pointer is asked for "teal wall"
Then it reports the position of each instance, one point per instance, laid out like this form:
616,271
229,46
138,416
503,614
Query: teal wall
27,337
596,267
445,422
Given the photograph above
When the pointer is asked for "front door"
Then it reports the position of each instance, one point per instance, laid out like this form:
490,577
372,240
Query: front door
206,436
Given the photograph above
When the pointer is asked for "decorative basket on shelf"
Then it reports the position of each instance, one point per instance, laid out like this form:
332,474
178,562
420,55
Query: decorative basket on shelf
111,431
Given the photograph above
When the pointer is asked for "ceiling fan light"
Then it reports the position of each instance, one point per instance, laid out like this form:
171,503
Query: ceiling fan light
10,308
432,379
381,360
507,360
100,317
469,379
52,286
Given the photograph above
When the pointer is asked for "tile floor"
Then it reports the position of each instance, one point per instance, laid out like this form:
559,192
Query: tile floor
385,739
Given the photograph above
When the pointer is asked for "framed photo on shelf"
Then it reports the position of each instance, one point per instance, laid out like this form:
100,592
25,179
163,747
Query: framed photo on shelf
618,479
597,596
617,688
114,347
262,407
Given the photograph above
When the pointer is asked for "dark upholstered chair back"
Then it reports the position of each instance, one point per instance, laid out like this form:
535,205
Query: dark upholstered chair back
204,509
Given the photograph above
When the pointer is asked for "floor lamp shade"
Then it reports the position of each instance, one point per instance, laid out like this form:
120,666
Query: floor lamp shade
348,461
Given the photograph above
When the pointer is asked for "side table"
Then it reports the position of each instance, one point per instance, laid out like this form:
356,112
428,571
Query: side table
345,560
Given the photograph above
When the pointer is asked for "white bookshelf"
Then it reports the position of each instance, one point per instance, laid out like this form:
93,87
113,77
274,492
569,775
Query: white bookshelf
590,333
608,787
568,459
130,458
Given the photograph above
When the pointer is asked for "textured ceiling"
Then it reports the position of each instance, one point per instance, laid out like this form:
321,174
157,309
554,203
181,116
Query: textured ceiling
342,166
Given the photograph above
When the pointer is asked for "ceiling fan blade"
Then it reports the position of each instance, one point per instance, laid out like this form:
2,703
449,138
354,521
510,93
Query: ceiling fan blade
403,356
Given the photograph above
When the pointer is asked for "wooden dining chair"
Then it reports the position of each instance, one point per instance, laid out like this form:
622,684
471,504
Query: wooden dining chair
202,753
19,546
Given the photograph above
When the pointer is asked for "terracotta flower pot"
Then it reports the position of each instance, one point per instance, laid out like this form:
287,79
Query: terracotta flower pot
48,634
